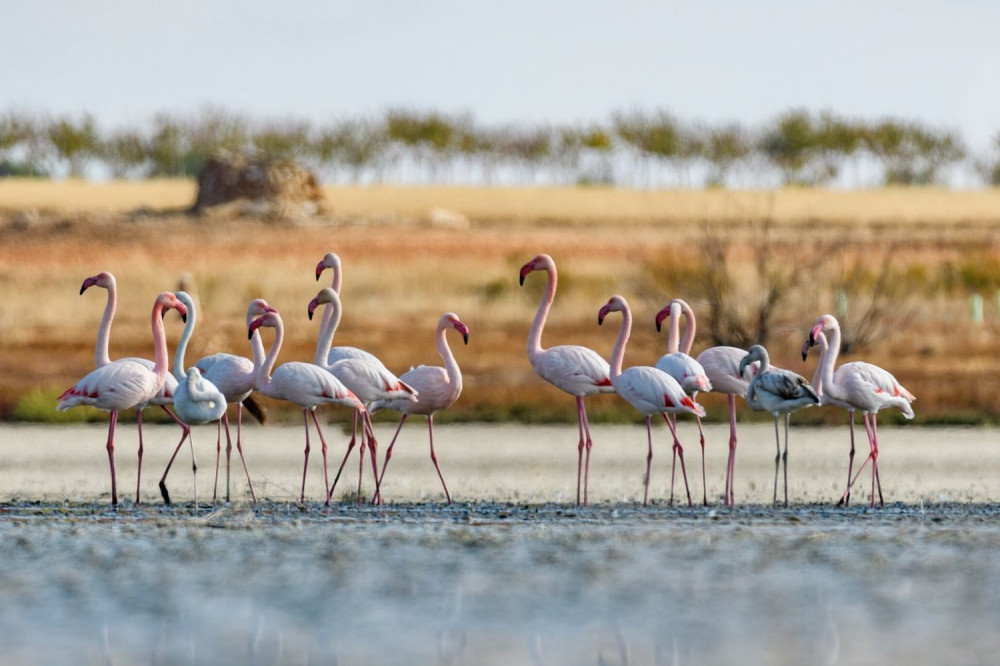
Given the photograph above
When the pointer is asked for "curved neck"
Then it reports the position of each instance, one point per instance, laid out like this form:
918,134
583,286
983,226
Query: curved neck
327,329
618,354
450,364
101,357
262,371
819,375
160,360
535,336
256,343
689,329
183,343
673,332
831,351
337,281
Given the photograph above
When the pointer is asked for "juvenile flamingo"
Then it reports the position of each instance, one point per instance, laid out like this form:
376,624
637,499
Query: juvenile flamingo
234,376
576,370
779,392
856,386
126,383
688,372
164,397
651,391
368,381
196,400
304,384
437,388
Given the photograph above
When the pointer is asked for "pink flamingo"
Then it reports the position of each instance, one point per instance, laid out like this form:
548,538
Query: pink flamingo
234,377
367,380
332,261
437,388
779,392
651,391
688,372
164,397
125,384
303,384
857,386
576,370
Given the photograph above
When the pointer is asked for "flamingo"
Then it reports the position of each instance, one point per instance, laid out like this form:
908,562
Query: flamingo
234,376
196,400
332,261
856,386
688,372
303,384
651,391
367,380
125,384
437,388
577,370
164,397
779,392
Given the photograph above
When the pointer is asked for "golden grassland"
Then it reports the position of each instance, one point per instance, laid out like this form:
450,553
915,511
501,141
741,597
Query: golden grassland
403,269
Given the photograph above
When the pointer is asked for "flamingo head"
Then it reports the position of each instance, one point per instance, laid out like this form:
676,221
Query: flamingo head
451,319
325,295
826,322
615,304
673,309
103,279
167,301
807,345
756,353
270,319
332,261
542,262
258,307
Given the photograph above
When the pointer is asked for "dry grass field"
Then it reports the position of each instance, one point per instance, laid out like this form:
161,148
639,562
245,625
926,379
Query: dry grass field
405,264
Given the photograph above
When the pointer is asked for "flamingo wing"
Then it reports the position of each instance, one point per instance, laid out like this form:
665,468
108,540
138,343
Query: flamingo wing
121,384
688,372
577,370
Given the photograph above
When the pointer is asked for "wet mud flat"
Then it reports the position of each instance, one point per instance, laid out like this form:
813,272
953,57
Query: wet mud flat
489,582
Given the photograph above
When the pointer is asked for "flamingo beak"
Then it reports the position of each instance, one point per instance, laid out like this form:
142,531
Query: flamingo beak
313,304
319,270
660,316
527,268
602,314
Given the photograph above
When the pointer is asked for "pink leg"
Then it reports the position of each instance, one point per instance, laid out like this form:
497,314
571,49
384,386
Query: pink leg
322,448
871,443
731,464
588,443
388,455
186,432
229,454
580,446
875,480
218,454
777,458
138,473
350,447
649,460
305,464
111,458
163,479
373,454
239,449
704,482
846,499
679,453
361,455
430,431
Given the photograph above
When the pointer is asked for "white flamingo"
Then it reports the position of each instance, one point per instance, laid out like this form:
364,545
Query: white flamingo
196,400
125,384
368,381
575,369
778,392
437,388
234,376
651,391
303,384
679,364
856,386
164,397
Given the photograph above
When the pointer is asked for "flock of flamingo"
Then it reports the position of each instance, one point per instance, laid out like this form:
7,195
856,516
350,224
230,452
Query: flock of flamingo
357,379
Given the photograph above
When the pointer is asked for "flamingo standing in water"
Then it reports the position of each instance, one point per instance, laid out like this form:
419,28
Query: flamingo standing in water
234,376
437,388
856,386
779,392
651,391
196,400
304,384
164,397
127,383
368,381
577,370
688,372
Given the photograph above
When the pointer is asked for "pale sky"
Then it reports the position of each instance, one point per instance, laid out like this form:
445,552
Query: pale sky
511,61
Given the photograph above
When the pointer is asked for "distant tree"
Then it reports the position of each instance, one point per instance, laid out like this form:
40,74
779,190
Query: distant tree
790,144
286,140
19,134
526,148
911,154
211,129
656,137
167,148
75,142
988,166
124,151
354,144
723,147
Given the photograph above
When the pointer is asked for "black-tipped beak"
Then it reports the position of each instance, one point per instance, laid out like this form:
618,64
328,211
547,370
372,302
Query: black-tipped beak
658,326
250,334
83,288
522,281
812,339
184,318
310,315
805,355
466,338
600,320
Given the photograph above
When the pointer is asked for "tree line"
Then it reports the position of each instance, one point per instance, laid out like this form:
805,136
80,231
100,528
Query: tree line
636,148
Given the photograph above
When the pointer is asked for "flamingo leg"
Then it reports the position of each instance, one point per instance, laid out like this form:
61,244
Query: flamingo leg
777,458
731,465
588,444
704,482
361,453
846,499
876,482
163,479
239,449
388,455
373,453
322,448
229,454
870,456
138,473
305,464
430,432
111,458
350,447
678,452
649,461
218,454
580,447
784,458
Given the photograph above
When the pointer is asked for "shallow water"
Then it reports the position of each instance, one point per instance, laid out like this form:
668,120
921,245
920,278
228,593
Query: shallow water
506,580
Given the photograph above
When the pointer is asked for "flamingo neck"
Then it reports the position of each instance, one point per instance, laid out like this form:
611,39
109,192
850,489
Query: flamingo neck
765,365
673,332
450,364
160,360
101,356
818,378
263,372
689,329
256,343
337,281
618,354
535,336
829,358
179,372
328,327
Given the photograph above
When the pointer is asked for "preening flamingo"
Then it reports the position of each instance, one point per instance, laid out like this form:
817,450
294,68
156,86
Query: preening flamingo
577,370
164,397
367,380
679,364
651,391
856,386
304,384
234,376
125,384
779,392
196,400
437,388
